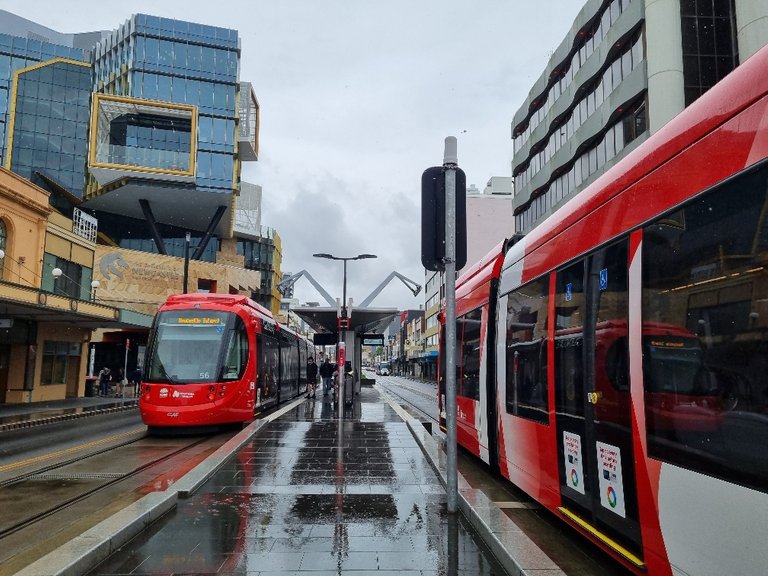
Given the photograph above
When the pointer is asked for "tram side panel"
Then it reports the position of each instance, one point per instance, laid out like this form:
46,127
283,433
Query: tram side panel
696,403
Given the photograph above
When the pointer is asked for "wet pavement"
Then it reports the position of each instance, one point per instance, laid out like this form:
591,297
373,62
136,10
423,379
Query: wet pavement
307,491
312,493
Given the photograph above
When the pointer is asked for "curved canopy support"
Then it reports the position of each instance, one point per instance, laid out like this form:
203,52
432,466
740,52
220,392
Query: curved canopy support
288,282
412,286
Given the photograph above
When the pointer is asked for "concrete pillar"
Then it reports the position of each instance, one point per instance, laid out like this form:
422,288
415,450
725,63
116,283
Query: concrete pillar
664,53
751,26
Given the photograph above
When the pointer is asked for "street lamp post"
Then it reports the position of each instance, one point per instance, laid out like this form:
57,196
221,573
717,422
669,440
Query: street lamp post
344,278
186,261
94,286
56,273
343,323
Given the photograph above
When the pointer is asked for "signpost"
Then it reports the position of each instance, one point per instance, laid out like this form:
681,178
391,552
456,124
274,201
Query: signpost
444,248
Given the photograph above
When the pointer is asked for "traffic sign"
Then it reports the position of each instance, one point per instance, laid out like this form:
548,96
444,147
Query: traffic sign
433,218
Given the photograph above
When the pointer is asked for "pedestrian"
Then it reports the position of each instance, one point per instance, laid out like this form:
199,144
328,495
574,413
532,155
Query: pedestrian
311,377
104,379
326,373
120,383
136,380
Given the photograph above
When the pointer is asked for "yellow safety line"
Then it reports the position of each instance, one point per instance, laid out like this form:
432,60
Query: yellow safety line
603,538
72,450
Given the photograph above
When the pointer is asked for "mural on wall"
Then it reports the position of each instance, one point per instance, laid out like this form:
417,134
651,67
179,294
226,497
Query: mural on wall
111,264
140,281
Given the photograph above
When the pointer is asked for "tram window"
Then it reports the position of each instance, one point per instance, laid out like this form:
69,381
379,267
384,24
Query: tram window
526,351
268,365
289,361
569,340
468,354
705,296
236,357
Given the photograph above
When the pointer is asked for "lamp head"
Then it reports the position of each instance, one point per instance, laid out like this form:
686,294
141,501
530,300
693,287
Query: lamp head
363,256
2,253
95,284
324,255
57,272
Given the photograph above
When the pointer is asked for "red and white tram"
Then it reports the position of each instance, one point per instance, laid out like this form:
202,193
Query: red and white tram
613,362
215,359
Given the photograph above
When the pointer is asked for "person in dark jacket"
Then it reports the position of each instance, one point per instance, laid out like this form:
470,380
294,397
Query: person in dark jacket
326,373
135,380
104,379
311,377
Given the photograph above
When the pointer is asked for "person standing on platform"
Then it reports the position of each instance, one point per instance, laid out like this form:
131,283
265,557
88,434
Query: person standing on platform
311,377
136,380
120,383
326,373
104,378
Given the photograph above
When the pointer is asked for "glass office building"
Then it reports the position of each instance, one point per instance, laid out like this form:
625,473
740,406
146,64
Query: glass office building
44,111
144,127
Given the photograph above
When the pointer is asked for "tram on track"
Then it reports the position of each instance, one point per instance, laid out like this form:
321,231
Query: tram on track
215,359
612,362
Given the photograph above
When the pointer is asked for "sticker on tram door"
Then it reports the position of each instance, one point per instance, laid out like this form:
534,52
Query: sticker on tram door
574,471
611,484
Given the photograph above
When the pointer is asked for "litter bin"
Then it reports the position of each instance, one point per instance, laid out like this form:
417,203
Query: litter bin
349,388
90,386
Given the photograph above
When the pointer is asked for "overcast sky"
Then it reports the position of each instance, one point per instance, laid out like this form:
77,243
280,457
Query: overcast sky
357,97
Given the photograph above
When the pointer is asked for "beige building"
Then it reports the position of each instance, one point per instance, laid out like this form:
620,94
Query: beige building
61,293
141,281
45,323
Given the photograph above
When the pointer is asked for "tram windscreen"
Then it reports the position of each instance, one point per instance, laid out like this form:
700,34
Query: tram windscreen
187,345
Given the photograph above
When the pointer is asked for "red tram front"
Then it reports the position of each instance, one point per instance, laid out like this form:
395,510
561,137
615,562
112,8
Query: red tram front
215,359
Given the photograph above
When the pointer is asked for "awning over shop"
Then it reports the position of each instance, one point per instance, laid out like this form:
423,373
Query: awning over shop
36,305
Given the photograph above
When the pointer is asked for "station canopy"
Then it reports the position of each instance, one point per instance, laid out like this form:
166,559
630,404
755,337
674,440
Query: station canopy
361,320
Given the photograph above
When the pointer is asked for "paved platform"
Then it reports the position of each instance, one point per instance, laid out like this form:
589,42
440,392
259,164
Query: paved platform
310,492
14,416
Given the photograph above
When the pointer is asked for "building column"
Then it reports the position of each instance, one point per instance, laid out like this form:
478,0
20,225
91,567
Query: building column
751,26
664,54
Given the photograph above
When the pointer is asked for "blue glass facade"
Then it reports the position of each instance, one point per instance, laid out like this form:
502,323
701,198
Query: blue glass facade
163,128
180,62
17,53
50,124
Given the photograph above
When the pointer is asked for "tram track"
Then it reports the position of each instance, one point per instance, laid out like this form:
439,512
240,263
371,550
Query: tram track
397,389
49,505
109,480
72,460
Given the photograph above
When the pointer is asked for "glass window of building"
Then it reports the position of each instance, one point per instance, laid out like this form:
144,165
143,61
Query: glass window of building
709,48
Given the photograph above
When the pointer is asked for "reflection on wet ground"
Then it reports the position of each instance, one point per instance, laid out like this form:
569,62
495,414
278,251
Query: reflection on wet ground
314,493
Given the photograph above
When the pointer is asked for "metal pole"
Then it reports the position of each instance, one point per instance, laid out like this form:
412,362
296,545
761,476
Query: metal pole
343,338
125,368
450,162
186,262
344,291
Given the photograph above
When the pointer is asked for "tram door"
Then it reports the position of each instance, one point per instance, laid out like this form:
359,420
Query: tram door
592,396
